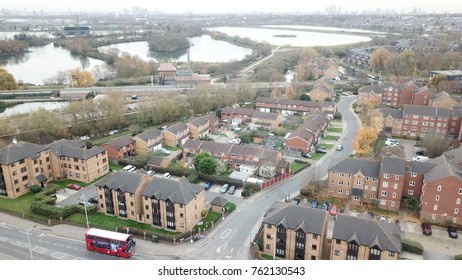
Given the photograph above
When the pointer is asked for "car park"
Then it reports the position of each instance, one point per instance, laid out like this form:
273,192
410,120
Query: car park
426,229
232,190
166,175
74,187
314,204
333,210
339,148
208,185
452,232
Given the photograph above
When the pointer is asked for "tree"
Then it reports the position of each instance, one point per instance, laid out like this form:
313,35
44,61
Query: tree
7,81
81,78
290,92
364,141
59,79
435,144
379,58
205,163
438,81
412,204
276,92
41,126
305,97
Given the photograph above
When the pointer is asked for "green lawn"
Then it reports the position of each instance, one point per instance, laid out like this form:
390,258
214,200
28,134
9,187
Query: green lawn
18,205
335,129
114,166
380,144
330,138
219,134
64,182
210,218
172,148
327,146
104,139
317,156
296,165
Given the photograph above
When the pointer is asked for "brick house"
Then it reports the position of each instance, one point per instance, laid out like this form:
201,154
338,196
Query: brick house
119,194
364,238
167,73
393,121
171,204
148,141
71,159
288,106
294,232
308,133
322,89
202,126
268,121
370,92
455,123
237,113
176,135
422,96
23,165
355,179
120,147
443,100
391,180
398,95
413,178
418,120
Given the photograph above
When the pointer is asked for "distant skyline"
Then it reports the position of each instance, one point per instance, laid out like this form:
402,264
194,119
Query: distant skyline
236,6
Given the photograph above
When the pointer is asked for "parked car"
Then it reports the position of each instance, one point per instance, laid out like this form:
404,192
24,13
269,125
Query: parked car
426,229
452,232
224,188
53,195
306,155
333,210
295,201
132,169
339,148
127,167
86,203
325,206
236,141
320,150
232,190
208,185
165,151
74,187
314,203
420,158
150,172
420,152
166,175
93,200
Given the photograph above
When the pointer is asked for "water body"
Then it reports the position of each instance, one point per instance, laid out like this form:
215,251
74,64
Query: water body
44,62
203,49
301,39
31,107
323,28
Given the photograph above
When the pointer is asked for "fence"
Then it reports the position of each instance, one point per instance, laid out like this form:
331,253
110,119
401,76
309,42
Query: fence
276,179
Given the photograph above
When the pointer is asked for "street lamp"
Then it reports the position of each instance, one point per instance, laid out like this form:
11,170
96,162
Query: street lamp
85,205
28,241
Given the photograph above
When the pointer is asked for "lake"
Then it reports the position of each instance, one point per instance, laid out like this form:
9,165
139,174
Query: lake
32,106
301,39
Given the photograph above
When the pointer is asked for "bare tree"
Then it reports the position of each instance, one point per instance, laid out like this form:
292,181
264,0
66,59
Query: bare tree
435,144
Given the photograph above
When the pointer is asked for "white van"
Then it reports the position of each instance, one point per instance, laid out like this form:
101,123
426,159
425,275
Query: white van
127,168
420,158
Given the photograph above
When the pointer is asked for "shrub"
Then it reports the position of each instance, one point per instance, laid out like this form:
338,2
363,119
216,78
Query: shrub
193,177
412,246
203,212
458,257
230,207
36,189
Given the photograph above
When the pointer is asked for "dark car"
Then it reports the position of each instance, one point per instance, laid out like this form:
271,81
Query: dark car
93,200
74,187
232,190
420,152
321,150
306,155
452,232
426,229
325,206
208,185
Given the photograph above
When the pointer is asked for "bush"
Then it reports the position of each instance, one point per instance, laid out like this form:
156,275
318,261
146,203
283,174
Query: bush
36,189
230,207
412,246
458,257
193,177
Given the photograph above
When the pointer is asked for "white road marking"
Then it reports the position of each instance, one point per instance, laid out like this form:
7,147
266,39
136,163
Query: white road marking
3,226
230,254
225,234
59,255
39,249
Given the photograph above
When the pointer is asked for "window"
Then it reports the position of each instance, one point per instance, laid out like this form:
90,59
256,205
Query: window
456,210
23,169
366,187
314,247
385,184
337,252
268,247
460,191
315,236
386,175
410,192
24,178
458,201
391,254
396,177
383,193
395,186
338,241
411,183
439,188
373,188
435,207
375,179
341,175
340,191
358,183
437,198
394,195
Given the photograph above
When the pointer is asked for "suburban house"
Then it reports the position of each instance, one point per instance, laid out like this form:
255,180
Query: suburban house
418,120
176,135
119,194
364,238
322,89
173,205
167,73
353,179
288,106
413,178
71,159
120,147
204,125
325,68
393,121
23,165
308,133
268,121
237,113
148,141
294,232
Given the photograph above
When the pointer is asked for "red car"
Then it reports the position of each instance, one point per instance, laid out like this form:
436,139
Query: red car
74,187
333,210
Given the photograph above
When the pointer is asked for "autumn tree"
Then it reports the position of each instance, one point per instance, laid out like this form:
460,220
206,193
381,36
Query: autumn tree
110,111
7,81
276,91
41,126
435,144
290,92
364,141
379,58
244,92
81,78
439,82
131,66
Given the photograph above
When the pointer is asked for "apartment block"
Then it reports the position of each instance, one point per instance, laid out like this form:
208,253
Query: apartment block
392,173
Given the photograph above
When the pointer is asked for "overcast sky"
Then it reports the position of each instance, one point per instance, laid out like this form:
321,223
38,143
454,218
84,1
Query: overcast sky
231,6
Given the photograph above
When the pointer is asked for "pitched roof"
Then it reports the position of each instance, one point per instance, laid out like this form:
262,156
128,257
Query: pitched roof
219,201
394,113
444,166
393,165
237,111
371,88
369,168
149,134
166,67
419,167
74,149
425,111
120,142
296,217
264,115
181,191
122,180
368,232
177,128
21,150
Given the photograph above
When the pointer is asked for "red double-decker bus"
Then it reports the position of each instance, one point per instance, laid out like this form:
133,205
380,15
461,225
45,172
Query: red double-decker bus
110,243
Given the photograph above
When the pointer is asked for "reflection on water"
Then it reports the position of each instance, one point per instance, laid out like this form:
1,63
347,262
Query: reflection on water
30,107
167,56
14,59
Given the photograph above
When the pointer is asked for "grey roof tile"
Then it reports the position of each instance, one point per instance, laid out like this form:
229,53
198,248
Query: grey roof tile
369,168
21,150
181,191
123,180
393,165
